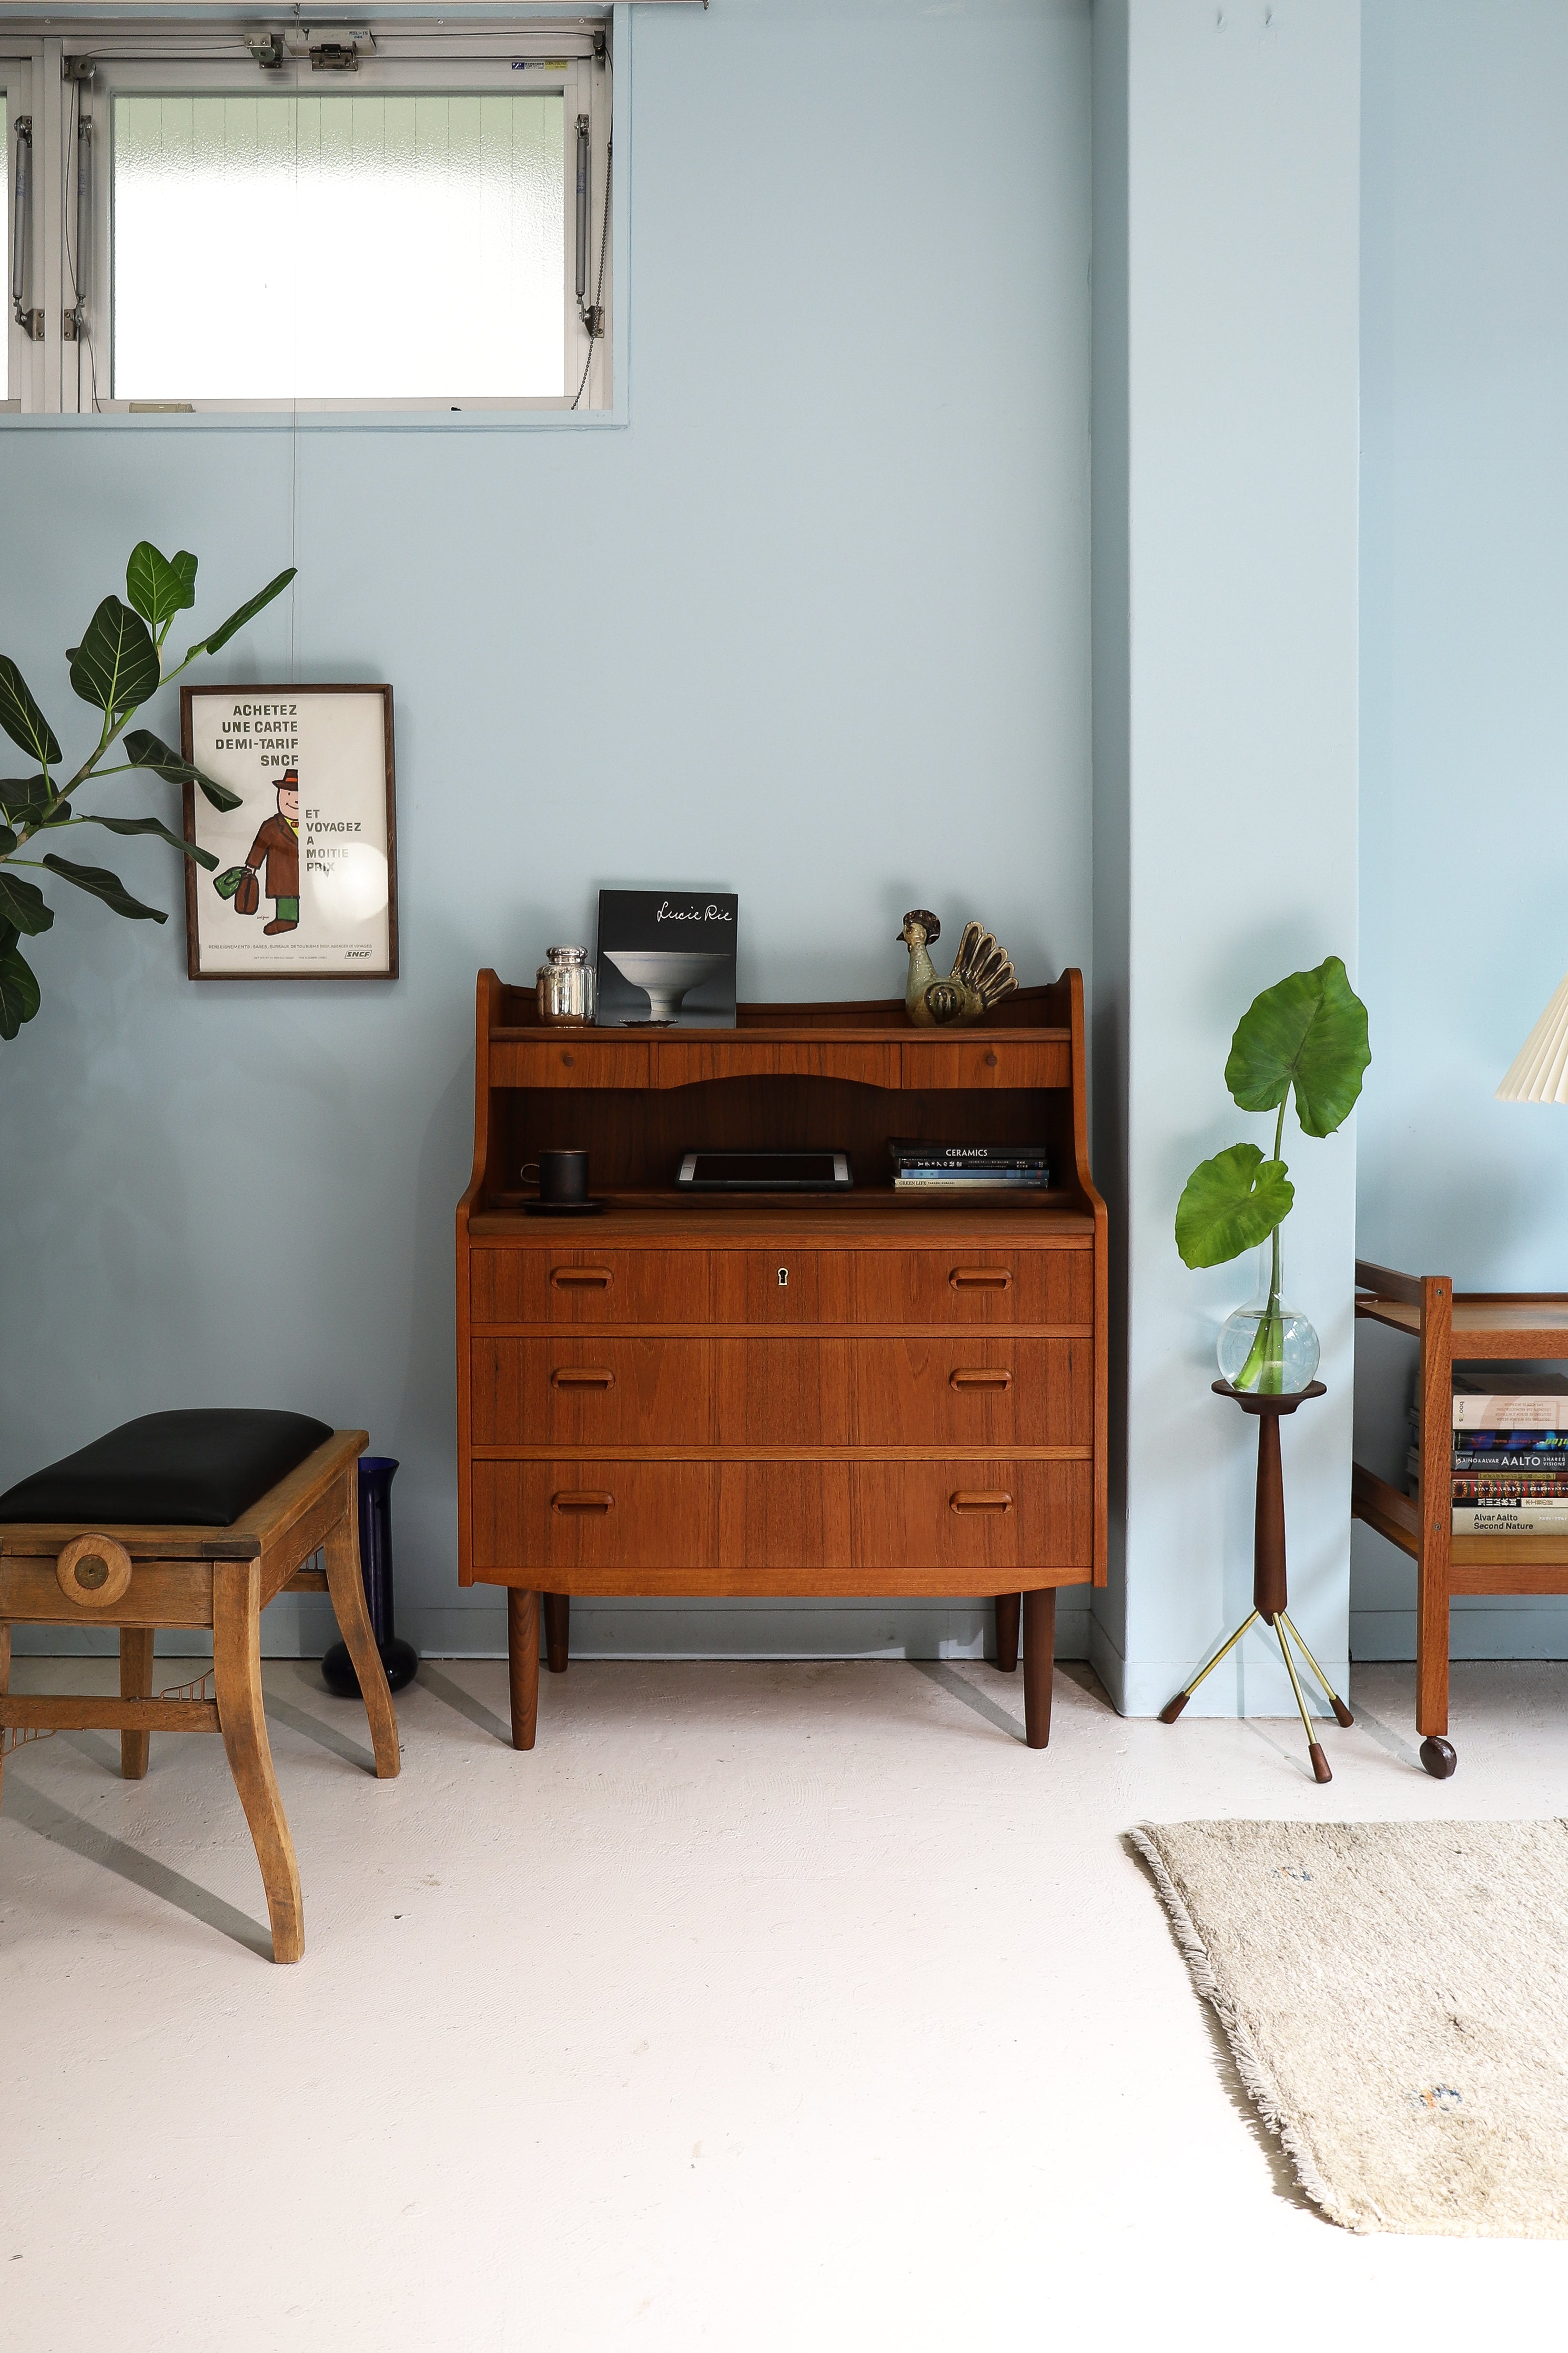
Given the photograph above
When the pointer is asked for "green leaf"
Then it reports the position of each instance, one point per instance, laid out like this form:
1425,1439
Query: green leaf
149,825
7,841
9,935
115,665
24,904
1230,1204
158,588
1310,1031
102,884
25,798
236,621
145,750
22,720
19,991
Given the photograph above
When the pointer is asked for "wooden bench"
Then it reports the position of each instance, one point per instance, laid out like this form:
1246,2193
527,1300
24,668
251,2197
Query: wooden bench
221,1579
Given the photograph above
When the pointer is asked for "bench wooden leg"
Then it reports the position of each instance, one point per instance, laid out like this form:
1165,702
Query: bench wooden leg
523,1663
1040,1650
345,1583
236,1674
557,1632
135,1683
1007,1606
4,1688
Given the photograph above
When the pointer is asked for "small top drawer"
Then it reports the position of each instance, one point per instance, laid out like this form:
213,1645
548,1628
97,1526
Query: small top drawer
957,1061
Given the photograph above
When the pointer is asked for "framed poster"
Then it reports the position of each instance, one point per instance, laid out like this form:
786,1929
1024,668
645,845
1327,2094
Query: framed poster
305,887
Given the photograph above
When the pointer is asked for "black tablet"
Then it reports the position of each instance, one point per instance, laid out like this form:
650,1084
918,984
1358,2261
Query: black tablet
765,1172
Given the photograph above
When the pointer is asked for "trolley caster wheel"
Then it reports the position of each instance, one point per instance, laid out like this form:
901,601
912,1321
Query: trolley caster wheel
1439,1757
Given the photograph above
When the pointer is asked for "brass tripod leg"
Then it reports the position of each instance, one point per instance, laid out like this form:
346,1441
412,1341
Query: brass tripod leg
1314,1748
1341,1713
1173,1708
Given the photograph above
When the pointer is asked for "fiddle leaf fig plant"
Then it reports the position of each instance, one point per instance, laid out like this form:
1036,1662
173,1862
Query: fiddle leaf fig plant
118,664
1307,1037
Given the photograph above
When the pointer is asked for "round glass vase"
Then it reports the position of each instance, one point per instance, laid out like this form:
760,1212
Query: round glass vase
1266,1346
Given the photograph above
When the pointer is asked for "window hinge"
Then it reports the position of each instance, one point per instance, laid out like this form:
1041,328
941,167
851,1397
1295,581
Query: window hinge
31,323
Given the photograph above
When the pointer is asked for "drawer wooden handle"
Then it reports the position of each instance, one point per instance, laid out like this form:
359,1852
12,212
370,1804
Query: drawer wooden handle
980,1499
581,1278
981,1377
980,1278
581,1499
582,1377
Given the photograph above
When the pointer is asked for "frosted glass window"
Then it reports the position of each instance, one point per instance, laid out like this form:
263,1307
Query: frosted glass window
348,245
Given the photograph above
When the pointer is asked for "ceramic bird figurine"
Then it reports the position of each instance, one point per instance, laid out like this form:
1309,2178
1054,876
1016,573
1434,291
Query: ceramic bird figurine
981,974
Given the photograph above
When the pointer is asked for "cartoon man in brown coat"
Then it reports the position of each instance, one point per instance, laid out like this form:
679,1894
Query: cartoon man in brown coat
277,846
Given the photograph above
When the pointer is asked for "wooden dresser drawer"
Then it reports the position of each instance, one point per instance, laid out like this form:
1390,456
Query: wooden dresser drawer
568,1391
964,1526
931,1288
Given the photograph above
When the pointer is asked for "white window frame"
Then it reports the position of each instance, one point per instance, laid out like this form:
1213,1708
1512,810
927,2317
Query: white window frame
18,389
158,56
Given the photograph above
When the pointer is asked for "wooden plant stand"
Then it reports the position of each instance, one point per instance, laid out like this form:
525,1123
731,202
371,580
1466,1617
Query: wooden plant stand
867,1394
139,1578
1449,1326
1269,1597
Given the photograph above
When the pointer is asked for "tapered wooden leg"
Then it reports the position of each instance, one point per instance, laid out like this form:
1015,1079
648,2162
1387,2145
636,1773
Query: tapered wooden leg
345,1583
523,1663
135,1683
557,1632
1007,1606
5,1687
237,1676
1039,1649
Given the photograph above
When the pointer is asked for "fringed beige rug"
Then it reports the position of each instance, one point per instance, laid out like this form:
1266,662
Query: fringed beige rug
1396,1997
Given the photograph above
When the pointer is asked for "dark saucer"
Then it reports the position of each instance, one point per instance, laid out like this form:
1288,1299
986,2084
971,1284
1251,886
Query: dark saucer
562,1209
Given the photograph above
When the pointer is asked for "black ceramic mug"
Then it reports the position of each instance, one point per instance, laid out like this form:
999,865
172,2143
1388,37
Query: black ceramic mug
563,1177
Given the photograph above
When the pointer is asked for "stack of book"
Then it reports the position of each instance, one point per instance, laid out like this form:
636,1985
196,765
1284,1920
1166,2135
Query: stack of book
1510,1460
991,1168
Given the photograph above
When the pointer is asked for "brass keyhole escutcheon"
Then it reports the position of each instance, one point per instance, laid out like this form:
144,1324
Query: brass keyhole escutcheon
91,1571
784,1278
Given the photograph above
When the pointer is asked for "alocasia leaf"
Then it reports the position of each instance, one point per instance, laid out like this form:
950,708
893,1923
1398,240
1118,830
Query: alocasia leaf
1230,1204
1307,1031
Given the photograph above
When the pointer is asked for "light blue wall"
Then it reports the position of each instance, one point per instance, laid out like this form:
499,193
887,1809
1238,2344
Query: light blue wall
813,625
1225,481
1465,729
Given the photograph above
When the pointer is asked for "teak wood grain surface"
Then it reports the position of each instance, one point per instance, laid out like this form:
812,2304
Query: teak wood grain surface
865,1393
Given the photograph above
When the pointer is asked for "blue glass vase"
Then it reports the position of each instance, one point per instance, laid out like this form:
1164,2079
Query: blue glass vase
400,1659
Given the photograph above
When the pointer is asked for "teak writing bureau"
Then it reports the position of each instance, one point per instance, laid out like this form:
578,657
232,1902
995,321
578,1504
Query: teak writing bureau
856,1395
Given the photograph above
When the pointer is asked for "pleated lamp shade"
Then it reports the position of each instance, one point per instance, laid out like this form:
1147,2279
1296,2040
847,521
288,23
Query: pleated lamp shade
1539,1072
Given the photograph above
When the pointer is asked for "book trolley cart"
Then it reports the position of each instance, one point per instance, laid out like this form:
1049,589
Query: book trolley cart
1472,1326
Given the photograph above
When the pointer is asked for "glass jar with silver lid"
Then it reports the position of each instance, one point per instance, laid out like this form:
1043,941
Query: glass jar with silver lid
565,985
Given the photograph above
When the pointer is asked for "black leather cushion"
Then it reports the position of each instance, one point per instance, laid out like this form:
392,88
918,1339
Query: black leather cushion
198,1469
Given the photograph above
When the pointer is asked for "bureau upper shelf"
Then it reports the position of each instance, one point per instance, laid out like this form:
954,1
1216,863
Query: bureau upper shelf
869,1220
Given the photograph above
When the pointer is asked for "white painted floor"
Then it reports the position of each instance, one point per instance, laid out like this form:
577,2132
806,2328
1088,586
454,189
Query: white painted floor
761,2006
